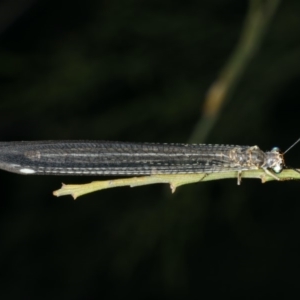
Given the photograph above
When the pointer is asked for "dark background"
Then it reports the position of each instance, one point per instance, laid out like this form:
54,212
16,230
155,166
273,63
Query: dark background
139,71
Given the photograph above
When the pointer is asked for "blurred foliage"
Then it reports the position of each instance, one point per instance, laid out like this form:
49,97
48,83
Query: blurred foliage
139,71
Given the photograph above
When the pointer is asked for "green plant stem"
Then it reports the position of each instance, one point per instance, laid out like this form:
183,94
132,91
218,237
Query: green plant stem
76,190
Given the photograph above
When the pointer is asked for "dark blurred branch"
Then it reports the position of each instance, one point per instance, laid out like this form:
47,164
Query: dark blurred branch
258,18
11,10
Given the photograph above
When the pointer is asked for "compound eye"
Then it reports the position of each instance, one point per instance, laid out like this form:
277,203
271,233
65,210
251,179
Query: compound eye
278,168
275,150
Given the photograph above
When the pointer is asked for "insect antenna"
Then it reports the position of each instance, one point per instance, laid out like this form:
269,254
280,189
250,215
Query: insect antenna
288,149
